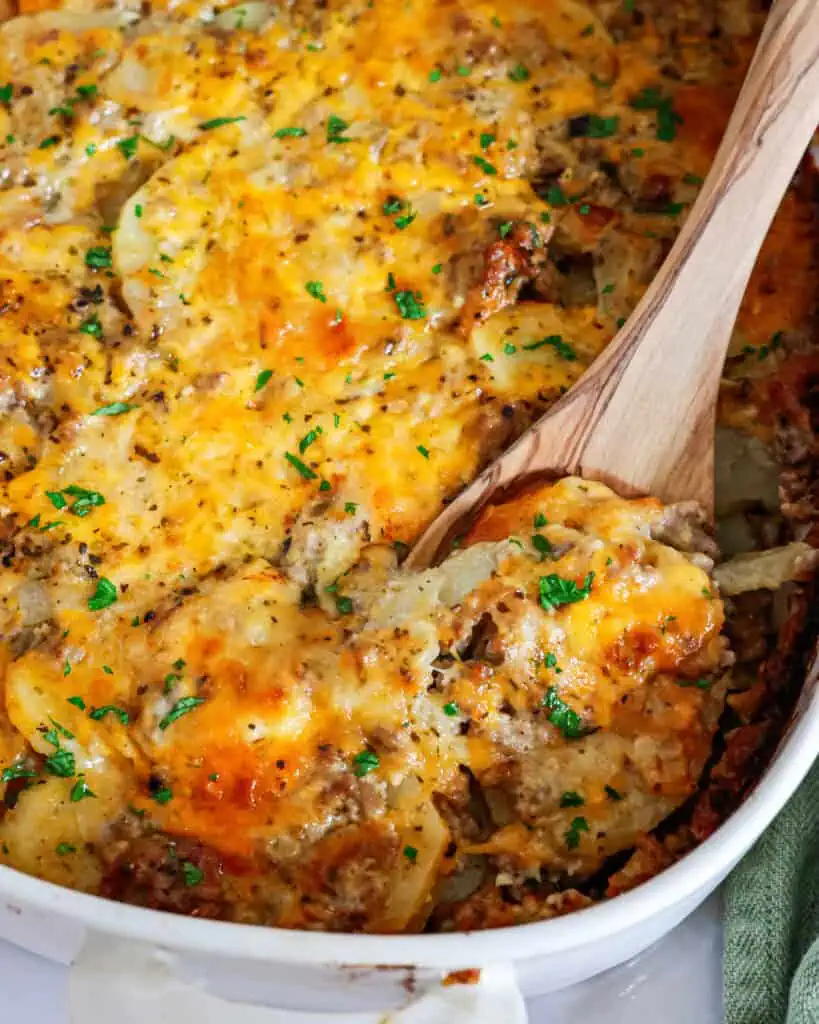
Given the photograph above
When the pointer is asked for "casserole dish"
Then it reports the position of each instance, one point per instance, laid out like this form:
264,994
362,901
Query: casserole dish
607,216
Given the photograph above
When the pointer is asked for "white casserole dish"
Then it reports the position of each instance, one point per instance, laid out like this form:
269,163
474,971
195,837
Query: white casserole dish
334,972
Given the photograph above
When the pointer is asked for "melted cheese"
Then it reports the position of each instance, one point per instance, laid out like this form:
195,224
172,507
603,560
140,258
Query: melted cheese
236,245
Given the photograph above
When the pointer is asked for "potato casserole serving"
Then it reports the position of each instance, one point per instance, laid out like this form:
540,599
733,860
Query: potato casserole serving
276,281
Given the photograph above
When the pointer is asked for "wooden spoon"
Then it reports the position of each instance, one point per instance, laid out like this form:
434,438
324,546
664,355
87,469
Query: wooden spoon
642,418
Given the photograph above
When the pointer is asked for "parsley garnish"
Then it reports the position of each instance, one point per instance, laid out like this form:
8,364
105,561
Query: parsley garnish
162,796
365,762
78,702
61,849
557,343
336,126
47,143
434,76
262,378
104,595
17,771
451,709
601,127
217,122
486,139
80,791
612,793
550,660
316,290
572,834
6,93
182,707
191,873
410,853
410,305
555,196
519,73
562,716
97,714
98,257
571,799
309,438
60,763
700,684
667,117
484,165
540,520
556,591
289,133
297,464
542,545
128,147
505,228
422,450
92,326
113,409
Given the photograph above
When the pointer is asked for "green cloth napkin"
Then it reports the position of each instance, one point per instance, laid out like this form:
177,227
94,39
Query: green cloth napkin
772,920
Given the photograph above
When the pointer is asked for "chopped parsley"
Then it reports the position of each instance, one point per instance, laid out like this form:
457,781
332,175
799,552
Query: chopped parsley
97,714
484,165
104,595
652,98
191,873
92,326
519,73
410,853
700,684
556,591
612,793
298,465
113,409
410,304
182,707
336,126
78,702
316,290
18,770
555,196
365,762
422,450
47,143
98,257
289,133
60,763
505,228
61,849
486,139
262,377
562,716
56,499
601,127
572,834
557,343
163,795
309,438
571,799
6,93
87,91
128,147
217,122
542,545
434,76
550,660
451,709
539,520
350,508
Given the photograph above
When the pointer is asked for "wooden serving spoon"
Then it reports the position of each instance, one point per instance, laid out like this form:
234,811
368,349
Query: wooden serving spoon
642,418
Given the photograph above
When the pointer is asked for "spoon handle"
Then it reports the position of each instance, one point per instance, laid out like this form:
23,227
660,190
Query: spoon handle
642,417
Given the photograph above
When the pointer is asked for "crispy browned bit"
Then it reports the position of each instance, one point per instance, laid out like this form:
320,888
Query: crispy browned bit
508,265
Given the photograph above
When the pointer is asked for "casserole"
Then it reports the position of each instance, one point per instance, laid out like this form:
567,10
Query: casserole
178,219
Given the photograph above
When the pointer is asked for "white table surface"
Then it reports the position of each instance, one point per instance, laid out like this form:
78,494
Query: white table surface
677,981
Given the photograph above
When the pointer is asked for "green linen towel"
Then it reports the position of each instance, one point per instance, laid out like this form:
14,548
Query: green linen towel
772,920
